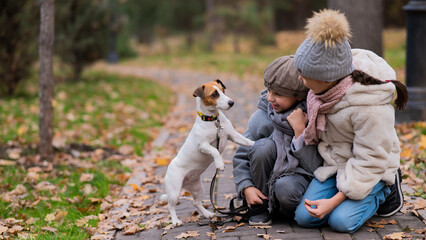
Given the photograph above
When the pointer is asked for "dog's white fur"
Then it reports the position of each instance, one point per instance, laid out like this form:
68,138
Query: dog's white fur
199,151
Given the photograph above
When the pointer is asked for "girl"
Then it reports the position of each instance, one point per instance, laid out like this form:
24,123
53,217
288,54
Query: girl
352,121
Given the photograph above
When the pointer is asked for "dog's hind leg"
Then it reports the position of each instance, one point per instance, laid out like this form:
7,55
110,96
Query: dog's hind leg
196,189
173,188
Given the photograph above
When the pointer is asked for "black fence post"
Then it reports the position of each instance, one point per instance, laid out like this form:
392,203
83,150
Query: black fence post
415,62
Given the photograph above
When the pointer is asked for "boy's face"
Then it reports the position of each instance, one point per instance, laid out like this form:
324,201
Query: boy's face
281,103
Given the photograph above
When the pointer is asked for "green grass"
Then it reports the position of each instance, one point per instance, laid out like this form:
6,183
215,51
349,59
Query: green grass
100,110
69,198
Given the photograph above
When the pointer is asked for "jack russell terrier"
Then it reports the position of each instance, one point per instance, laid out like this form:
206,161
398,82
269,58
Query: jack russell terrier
204,144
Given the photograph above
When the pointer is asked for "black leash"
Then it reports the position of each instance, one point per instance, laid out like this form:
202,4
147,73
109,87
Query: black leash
244,211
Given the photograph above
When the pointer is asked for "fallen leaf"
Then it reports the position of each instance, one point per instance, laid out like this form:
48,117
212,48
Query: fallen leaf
105,206
22,130
49,217
61,215
6,162
422,141
86,177
3,229
15,229
420,204
49,229
420,231
162,161
406,152
394,236
232,228
45,186
59,141
87,189
32,177
14,155
126,150
264,236
132,229
188,234
211,235
31,221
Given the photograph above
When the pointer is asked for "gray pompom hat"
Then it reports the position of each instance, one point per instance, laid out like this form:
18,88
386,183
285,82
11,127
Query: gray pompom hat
326,54
281,76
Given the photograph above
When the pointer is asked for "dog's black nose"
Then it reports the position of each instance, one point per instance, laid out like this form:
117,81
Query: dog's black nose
231,103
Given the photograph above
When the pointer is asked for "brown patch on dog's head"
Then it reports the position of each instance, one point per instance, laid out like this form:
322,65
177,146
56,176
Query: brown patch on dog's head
208,93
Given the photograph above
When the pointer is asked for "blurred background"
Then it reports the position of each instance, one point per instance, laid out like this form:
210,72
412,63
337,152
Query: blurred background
239,36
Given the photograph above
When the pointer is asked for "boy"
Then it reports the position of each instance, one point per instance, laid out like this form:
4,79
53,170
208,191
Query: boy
273,168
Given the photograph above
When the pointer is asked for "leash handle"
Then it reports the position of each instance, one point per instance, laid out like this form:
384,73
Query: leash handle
243,211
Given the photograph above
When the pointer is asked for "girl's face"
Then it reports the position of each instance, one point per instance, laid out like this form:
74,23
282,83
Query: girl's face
315,85
281,103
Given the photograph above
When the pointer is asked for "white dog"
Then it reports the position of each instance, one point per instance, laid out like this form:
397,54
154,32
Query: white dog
200,148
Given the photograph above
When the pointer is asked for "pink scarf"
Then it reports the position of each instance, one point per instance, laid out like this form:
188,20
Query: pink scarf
319,105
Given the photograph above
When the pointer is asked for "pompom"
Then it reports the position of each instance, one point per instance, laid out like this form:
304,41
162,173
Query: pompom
328,26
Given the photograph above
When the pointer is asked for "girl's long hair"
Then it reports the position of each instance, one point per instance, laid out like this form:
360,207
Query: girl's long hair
401,89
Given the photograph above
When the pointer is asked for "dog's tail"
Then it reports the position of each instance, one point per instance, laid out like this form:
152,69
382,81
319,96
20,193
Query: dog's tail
164,198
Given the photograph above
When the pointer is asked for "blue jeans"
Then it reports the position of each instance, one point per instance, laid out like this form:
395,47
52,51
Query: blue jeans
350,215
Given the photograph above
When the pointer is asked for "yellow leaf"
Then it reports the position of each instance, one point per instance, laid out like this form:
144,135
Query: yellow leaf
162,161
406,152
136,187
422,142
22,130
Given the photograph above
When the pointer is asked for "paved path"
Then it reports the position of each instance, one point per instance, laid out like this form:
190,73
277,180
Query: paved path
171,138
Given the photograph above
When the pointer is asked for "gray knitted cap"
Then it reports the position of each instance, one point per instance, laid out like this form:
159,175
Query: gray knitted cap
326,54
281,76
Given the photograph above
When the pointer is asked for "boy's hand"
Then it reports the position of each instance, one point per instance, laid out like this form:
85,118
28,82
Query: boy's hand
298,120
253,196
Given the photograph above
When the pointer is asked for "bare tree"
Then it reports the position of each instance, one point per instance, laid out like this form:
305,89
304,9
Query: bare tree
366,21
46,39
210,24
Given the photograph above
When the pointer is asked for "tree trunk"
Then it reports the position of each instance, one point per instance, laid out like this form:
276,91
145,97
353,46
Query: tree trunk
236,42
210,25
366,21
46,40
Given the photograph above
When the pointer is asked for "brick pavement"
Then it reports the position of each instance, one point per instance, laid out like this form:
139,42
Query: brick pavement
246,98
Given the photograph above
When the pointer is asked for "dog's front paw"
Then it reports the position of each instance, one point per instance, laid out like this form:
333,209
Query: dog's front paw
250,143
220,166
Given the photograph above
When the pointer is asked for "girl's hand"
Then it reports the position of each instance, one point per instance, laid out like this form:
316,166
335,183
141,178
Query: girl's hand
253,196
324,206
298,120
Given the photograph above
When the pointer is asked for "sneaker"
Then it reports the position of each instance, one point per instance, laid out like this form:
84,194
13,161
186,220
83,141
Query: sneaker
261,219
395,199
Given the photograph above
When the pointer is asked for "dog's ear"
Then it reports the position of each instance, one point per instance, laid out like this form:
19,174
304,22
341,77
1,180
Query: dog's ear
221,84
199,92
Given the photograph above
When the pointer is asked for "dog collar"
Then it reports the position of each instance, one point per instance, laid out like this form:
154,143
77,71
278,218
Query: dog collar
208,118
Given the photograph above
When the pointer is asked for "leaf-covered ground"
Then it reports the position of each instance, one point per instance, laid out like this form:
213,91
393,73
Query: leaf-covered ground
101,124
